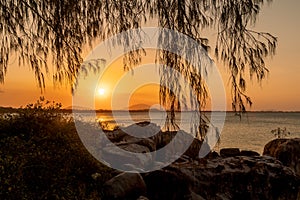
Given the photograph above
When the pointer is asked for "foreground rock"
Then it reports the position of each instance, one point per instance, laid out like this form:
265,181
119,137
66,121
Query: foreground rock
120,157
233,174
249,153
125,186
168,183
230,152
129,152
237,177
285,150
185,143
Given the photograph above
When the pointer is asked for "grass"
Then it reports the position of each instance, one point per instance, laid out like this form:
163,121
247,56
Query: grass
42,157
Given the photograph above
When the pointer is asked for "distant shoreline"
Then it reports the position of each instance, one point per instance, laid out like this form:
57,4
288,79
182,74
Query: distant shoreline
11,110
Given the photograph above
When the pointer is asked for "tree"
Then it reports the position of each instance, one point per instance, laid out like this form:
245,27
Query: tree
59,29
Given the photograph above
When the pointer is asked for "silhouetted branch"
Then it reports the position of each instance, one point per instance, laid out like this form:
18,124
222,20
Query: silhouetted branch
40,30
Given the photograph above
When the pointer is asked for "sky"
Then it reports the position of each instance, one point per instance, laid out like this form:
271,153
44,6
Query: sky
280,91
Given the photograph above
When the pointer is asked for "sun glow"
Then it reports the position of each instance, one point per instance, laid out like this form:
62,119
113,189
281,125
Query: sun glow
101,91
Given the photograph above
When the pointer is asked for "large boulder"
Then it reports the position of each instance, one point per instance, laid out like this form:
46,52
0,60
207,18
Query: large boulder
115,135
172,143
230,152
185,143
212,155
142,198
249,153
237,177
168,183
137,156
149,143
125,186
285,150
234,174
142,129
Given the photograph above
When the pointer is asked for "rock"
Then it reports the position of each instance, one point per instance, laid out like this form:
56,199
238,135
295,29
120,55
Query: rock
132,168
142,129
273,145
249,153
118,158
168,184
124,186
135,132
148,143
186,144
150,135
158,165
195,196
183,160
141,141
234,174
172,149
134,148
242,177
163,138
212,155
285,150
142,198
115,136
194,148
230,152
96,176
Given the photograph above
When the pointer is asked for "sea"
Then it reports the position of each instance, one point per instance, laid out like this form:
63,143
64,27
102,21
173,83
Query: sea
251,131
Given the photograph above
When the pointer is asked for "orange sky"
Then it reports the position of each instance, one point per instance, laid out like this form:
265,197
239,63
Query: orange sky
280,91
144,94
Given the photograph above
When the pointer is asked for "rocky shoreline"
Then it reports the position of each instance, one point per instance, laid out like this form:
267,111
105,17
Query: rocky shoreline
232,174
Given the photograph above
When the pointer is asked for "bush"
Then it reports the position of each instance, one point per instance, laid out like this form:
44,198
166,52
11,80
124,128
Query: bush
43,157
280,132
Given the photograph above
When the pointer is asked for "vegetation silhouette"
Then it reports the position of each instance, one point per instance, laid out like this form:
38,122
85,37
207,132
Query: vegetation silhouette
43,157
59,30
280,132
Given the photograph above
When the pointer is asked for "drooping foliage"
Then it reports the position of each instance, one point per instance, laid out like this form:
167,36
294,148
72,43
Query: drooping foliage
37,31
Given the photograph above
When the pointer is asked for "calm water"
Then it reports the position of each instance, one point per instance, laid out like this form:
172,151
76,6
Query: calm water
251,132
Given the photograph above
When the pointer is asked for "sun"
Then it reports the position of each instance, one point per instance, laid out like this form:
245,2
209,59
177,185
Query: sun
101,91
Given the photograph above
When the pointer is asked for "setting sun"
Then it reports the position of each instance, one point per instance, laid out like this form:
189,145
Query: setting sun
101,91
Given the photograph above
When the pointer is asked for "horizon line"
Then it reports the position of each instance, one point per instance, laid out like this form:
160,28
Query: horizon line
155,109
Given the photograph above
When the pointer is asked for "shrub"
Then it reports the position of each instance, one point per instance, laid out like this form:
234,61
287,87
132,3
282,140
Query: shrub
43,157
280,132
